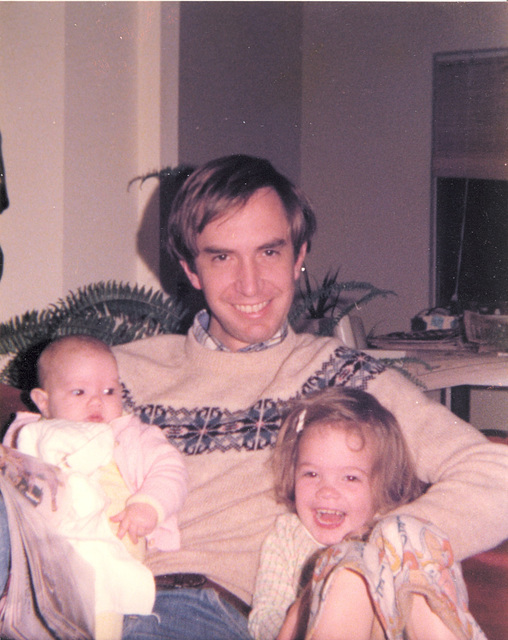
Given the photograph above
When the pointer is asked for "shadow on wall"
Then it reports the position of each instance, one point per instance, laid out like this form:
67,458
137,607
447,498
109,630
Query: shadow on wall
173,280
4,200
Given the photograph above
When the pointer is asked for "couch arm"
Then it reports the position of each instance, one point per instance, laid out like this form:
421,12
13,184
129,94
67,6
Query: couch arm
486,576
10,402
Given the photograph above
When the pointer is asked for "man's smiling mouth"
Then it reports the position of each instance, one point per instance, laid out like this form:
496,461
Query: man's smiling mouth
251,308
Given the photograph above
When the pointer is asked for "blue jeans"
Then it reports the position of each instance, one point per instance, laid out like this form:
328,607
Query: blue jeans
5,546
187,614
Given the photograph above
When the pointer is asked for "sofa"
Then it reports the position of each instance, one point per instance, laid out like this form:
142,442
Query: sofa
486,574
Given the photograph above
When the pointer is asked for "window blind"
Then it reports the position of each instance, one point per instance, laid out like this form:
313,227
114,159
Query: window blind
470,115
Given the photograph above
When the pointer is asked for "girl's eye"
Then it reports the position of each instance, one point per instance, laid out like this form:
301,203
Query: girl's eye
351,478
310,474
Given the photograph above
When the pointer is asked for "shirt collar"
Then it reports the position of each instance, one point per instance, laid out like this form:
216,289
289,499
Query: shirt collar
200,331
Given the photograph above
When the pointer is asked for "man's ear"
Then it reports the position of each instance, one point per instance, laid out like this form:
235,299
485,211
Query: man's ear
192,275
299,260
40,399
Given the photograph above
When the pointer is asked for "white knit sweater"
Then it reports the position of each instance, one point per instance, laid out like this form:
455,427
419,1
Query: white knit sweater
223,410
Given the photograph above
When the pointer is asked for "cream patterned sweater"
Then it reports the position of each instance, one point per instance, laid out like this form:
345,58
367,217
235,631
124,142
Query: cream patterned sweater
223,411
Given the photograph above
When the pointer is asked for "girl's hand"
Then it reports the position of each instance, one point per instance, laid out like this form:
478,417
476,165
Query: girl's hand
137,519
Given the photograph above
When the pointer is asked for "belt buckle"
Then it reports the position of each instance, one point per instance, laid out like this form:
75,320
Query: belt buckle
180,580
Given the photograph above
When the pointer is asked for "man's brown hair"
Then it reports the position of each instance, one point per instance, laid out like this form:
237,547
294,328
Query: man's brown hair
223,185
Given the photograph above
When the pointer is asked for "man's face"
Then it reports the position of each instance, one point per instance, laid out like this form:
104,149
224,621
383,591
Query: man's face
247,270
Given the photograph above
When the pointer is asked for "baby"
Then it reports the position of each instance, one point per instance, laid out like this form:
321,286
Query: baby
120,473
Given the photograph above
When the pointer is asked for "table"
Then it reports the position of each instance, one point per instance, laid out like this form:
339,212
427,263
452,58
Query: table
453,371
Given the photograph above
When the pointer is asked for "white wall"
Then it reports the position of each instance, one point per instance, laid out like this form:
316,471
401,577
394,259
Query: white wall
366,137
90,98
32,95
93,94
80,117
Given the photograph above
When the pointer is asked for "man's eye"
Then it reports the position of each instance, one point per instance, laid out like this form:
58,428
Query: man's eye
220,257
271,252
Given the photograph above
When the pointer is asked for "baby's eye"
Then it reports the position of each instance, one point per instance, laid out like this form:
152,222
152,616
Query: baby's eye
109,392
77,392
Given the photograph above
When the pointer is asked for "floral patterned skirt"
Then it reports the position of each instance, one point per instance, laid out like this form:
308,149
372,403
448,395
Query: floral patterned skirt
402,557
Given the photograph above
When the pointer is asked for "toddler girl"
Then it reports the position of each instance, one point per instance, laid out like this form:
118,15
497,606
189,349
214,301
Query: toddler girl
341,464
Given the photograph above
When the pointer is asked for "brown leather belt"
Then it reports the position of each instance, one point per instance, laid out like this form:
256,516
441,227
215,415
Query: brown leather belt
199,581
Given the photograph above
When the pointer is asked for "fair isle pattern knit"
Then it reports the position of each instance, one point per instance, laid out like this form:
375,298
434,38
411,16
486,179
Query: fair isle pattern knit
208,429
223,409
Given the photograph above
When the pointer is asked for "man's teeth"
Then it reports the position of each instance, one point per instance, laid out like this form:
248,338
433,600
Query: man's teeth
251,308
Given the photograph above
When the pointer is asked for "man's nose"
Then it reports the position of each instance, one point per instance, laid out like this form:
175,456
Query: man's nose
248,277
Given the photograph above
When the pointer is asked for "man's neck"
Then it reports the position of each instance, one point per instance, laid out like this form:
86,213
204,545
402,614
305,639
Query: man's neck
204,337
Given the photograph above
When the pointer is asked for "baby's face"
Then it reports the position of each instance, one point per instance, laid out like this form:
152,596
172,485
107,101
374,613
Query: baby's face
83,386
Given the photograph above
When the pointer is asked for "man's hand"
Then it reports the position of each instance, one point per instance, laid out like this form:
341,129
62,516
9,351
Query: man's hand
137,519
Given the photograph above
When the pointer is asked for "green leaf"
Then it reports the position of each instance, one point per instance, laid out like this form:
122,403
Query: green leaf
113,312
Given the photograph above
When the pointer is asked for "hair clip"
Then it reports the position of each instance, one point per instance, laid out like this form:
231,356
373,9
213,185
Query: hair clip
301,421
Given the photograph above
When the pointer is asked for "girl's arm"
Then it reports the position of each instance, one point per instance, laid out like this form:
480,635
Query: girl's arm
275,590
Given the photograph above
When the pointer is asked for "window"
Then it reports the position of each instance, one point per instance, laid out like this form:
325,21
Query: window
470,179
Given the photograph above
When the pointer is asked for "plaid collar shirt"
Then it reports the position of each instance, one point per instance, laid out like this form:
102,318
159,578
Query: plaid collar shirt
200,330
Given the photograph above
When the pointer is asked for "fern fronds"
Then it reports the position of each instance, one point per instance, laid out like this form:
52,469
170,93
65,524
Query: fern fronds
151,309
113,312
399,364
22,331
168,173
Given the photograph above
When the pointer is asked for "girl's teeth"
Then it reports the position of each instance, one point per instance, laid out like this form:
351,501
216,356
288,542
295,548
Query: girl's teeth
330,516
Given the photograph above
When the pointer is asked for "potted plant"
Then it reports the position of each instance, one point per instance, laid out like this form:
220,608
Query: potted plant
113,312
319,307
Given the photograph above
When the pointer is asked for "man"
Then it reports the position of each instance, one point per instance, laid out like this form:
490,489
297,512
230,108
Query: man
241,232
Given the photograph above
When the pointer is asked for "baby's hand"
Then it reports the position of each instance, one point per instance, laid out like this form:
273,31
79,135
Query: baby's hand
137,519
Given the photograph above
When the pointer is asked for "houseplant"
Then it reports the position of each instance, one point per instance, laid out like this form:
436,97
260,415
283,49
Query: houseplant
319,306
113,312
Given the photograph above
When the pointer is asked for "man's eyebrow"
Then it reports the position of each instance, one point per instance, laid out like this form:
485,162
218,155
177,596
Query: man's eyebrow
272,244
215,250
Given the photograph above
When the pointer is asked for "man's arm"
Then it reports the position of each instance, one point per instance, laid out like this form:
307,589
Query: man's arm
468,497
